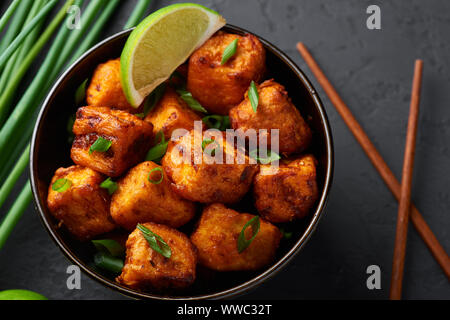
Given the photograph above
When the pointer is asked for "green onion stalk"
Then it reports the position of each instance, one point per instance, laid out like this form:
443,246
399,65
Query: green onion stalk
25,196
8,14
5,55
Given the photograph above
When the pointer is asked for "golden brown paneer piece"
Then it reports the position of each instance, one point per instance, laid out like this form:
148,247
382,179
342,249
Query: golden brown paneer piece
147,269
170,113
216,239
131,138
105,89
289,193
208,181
220,87
84,206
275,111
141,197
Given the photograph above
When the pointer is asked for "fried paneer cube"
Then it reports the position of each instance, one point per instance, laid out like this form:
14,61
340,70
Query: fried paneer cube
147,269
170,113
220,87
131,138
208,181
275,111
145,195
105,89
83,207
216,239
289,193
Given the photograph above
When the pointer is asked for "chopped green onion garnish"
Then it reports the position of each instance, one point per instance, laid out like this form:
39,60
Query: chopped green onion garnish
160,179
286,234
80,94
107,262
61,185
159,150
210,151
229,51
155,241
153,99
218,122
110,185
100,145
253,96
109,246
189,99
243,243
271,156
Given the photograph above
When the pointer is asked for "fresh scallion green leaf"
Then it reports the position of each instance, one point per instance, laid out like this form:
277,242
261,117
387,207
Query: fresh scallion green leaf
217,122
271,156
159,150
153,98
210,151
190,100
61,185
253,96
160,179
109,246
80,94
229,51
100,145
286,234
243,243
110,185
109,263
155,241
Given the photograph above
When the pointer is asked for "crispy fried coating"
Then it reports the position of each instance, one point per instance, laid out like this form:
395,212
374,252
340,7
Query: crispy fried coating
131,138
147,269
105,89
289,193
275,111
220,87
171,113
208,181
137,200
216,240
84,207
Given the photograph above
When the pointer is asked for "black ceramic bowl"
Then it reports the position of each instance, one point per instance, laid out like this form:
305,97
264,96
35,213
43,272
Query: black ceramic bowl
50,150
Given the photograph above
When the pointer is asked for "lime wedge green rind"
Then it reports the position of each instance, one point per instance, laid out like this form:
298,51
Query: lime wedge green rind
162,42
20,295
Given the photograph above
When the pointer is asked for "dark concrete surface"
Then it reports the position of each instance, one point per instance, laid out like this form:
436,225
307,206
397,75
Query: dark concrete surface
372,70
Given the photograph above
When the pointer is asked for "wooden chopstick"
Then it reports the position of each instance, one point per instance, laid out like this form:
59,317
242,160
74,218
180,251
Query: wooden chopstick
377,160
398,263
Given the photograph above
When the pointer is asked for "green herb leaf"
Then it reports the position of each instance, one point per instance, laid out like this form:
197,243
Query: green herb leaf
156,181
210,151
217,122
153,99
243,243
155,241
61,185
271,156
229,51
109,263
286,234
253,96
189,99
159,150
109,246
80,94
100,145
110,185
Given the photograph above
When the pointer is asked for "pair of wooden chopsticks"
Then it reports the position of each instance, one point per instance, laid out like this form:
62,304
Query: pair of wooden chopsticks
401,191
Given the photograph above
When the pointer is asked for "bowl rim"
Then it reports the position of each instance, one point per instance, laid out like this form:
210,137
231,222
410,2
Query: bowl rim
223,294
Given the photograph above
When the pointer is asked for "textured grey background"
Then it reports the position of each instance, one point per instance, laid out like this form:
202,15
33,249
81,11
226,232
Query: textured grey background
372,71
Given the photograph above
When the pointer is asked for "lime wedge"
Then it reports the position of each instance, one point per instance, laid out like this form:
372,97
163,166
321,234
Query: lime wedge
162,42
20,295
